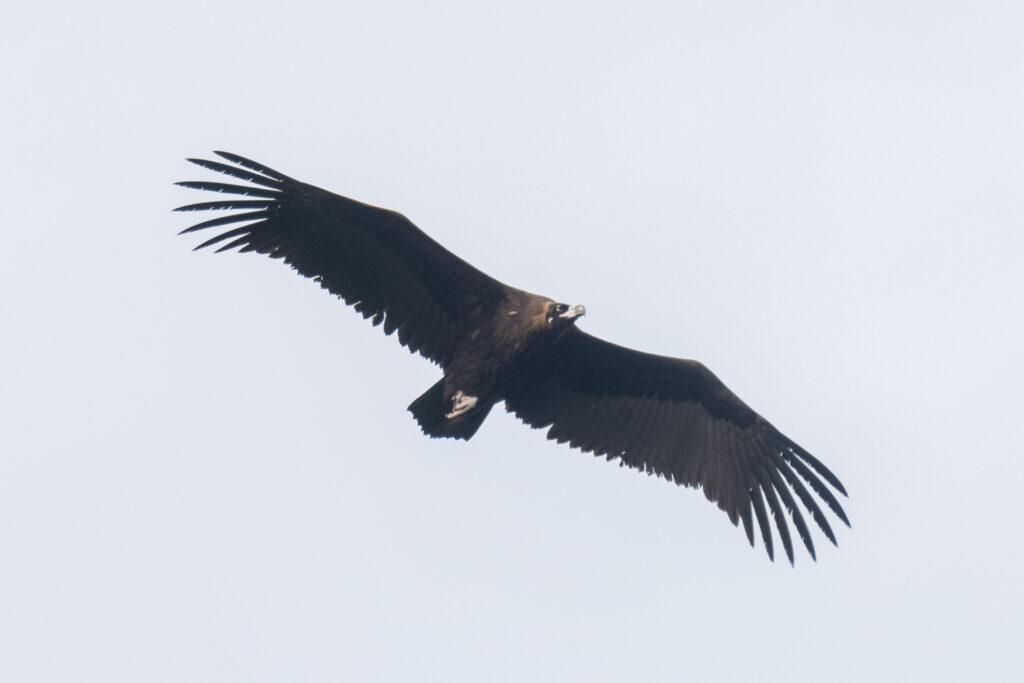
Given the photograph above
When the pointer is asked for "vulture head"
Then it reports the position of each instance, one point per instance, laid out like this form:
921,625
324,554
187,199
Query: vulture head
562,315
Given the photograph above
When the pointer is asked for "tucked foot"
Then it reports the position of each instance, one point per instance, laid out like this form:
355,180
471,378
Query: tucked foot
461,404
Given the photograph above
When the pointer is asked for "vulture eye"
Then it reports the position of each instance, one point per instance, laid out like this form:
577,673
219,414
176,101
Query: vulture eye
561,308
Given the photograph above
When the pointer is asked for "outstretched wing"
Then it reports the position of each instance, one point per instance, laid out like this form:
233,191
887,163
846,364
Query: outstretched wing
374,259
674,418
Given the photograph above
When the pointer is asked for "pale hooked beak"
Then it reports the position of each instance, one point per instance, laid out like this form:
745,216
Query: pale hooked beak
574,312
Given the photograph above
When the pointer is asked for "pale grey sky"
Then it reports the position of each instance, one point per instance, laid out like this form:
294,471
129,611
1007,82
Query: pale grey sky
207,470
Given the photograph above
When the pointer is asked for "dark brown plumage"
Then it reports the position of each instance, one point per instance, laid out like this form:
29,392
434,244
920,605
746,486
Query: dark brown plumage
495,343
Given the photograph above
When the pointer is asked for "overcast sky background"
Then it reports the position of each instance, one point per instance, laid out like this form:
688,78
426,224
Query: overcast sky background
207,470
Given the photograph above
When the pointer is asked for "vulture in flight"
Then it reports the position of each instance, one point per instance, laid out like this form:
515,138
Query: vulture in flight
494,343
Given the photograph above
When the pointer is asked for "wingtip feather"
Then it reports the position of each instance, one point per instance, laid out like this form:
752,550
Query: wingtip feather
253,165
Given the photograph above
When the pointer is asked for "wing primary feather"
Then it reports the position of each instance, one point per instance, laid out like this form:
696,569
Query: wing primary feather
735,479
285,248
235,172
770,467
227,188
751,466
244,230
816,484
241,241
226,220
254,166
757,500
780,521
226,205
743,502
804,495
270,237
282,248
745,517
818,466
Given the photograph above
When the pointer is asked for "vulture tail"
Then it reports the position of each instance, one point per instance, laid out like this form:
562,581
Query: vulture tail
430,409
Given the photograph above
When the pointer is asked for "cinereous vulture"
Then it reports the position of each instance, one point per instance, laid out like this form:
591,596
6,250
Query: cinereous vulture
495,343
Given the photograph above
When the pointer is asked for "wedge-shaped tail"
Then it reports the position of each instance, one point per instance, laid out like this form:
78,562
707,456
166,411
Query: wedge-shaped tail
431,410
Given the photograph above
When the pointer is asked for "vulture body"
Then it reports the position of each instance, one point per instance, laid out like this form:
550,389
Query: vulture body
494,343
